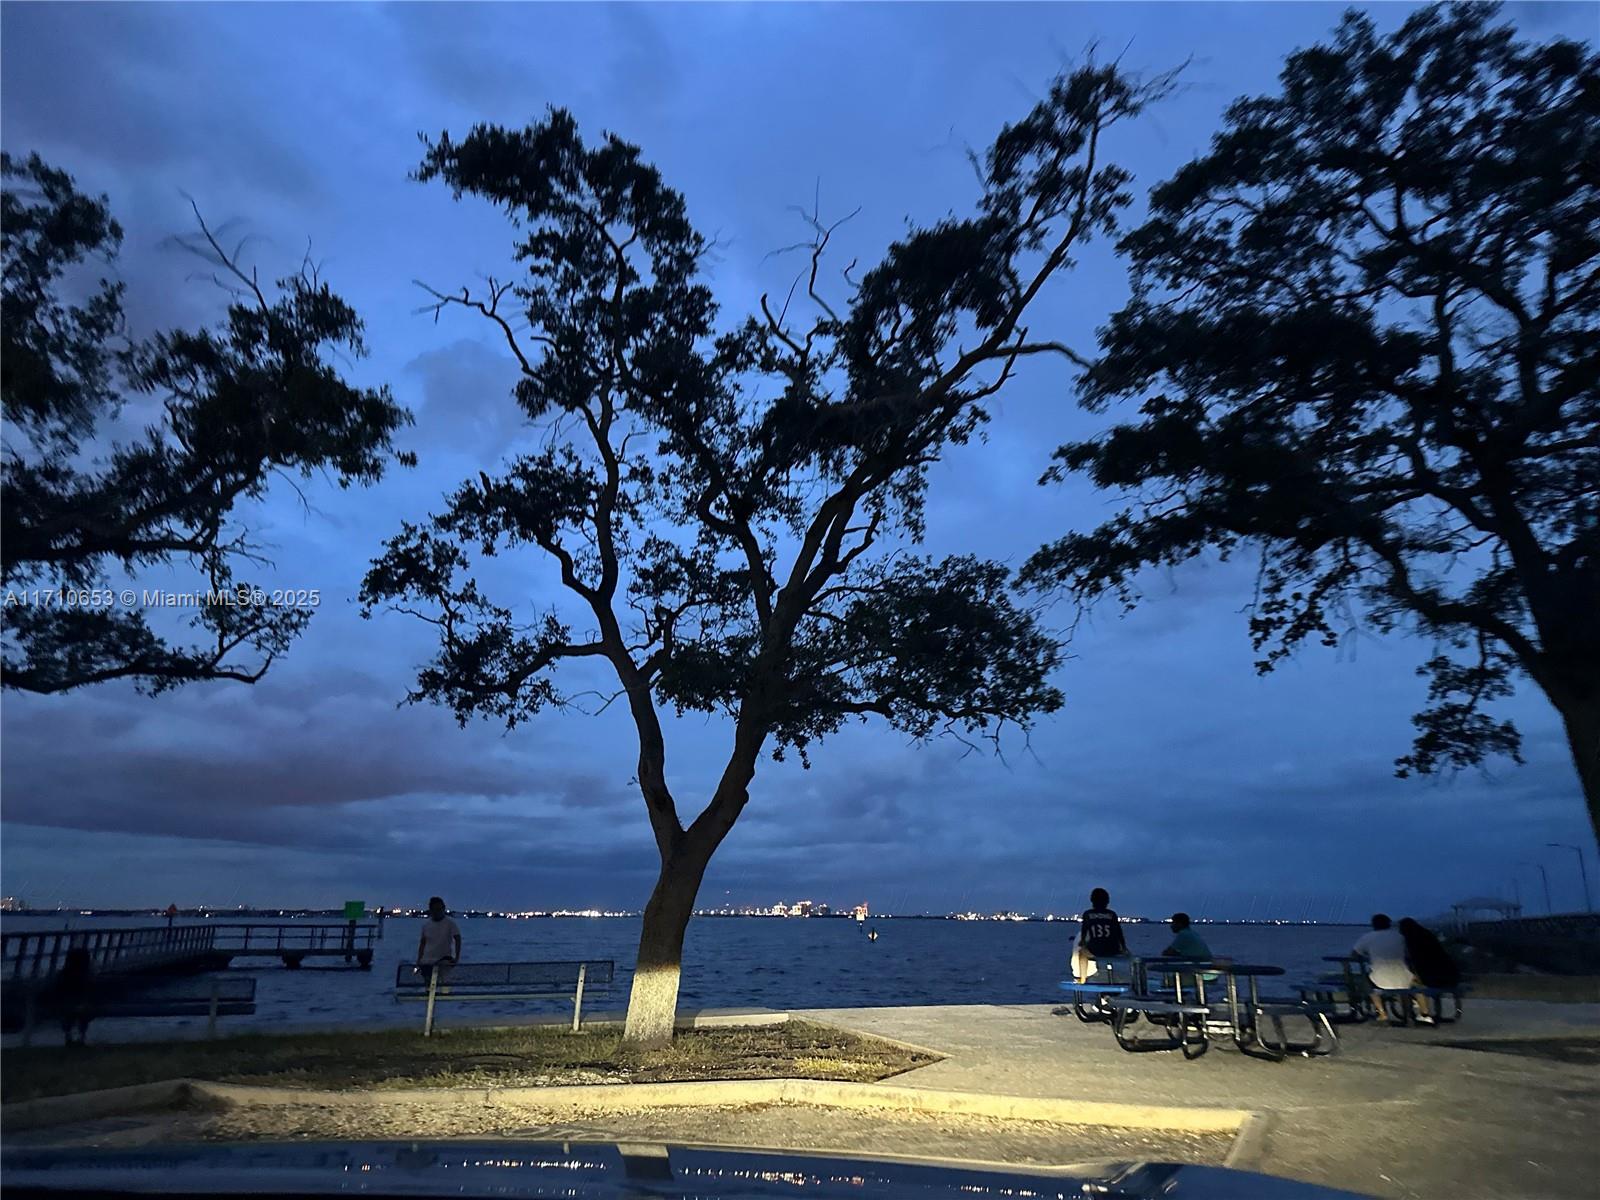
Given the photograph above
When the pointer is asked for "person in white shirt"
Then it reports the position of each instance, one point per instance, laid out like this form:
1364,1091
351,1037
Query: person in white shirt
441,937
1385,952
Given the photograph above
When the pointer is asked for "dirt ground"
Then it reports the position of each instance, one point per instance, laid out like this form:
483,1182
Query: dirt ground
528,1056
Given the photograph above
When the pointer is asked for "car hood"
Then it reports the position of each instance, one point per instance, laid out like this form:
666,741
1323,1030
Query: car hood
599,1171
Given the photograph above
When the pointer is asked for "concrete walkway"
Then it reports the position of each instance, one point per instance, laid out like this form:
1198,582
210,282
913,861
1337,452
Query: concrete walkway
1394,1114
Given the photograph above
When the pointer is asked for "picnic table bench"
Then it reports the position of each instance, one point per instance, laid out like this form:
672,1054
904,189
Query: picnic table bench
1115,976
1182,1024
1364,1000
1401,1003
501,981
1188,1018
1095,995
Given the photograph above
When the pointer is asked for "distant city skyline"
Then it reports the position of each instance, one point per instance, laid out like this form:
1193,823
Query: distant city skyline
802,910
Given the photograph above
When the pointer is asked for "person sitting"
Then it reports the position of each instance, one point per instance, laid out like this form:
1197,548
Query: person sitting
440,944
1430,963
1385,952
1099,937
1186,943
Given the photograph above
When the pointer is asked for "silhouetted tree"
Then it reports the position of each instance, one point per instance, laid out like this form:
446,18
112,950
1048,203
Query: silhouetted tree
255,397
720,509
1364,335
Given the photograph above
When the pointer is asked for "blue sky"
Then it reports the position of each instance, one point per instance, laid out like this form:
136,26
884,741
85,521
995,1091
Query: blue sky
1174,775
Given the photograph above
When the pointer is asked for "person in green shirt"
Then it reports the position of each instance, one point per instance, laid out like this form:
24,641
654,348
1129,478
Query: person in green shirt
1186,943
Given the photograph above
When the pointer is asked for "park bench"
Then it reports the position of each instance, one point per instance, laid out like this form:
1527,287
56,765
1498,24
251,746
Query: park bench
501,981
210,997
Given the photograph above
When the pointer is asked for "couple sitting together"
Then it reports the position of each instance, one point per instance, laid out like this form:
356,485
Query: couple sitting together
1404,956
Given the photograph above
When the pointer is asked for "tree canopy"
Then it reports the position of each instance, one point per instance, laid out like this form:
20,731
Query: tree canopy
259,395
1363,338
734,514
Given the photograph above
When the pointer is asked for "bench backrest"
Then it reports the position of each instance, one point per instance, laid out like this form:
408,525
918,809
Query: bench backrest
193,989
557,978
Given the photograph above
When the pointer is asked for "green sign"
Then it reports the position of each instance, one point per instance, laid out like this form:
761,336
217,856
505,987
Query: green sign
354,910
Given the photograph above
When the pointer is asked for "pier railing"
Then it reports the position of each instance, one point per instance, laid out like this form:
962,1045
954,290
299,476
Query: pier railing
35,956
275,939
40,954
1566,943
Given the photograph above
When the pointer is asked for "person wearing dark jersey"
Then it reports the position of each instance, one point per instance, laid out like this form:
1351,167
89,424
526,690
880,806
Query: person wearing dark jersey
1099,936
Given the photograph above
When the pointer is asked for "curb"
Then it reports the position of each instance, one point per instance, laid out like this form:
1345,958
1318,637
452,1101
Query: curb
91,1106
917,1048
632,1096
1250,1143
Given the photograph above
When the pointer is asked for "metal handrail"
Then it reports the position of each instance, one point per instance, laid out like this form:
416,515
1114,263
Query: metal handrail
39,953
34,954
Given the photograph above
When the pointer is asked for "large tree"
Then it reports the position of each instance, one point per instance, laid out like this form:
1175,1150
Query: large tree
1364,334
730,515
259,396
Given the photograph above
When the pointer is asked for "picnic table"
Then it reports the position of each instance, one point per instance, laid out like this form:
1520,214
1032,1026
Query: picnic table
1192,1021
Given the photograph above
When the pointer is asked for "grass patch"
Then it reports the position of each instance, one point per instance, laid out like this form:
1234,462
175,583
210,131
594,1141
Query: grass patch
531,1056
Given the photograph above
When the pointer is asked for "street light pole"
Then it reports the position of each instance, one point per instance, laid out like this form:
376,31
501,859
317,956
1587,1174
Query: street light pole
1545,875
1588,905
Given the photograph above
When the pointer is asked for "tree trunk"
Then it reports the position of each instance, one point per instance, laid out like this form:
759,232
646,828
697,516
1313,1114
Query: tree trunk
653,1002
1582,719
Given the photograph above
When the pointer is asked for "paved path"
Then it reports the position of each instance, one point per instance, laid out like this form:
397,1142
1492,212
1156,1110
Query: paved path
1394,1114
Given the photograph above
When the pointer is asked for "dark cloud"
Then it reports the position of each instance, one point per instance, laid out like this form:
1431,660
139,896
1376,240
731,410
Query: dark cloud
466,400
150,91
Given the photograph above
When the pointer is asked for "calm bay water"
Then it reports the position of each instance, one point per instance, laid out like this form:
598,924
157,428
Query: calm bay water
728,962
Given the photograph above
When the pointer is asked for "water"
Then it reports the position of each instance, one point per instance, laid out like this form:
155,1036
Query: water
729,962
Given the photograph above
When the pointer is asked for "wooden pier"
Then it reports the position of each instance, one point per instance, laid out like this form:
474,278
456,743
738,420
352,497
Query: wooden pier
174,949
292,944
30,962
179,949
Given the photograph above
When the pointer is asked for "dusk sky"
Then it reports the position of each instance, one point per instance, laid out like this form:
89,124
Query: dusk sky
1174,775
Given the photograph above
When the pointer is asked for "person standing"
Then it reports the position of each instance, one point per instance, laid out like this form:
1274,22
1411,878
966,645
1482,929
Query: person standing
440,944
74,988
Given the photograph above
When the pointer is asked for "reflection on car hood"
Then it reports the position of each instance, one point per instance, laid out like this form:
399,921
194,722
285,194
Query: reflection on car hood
599,1171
